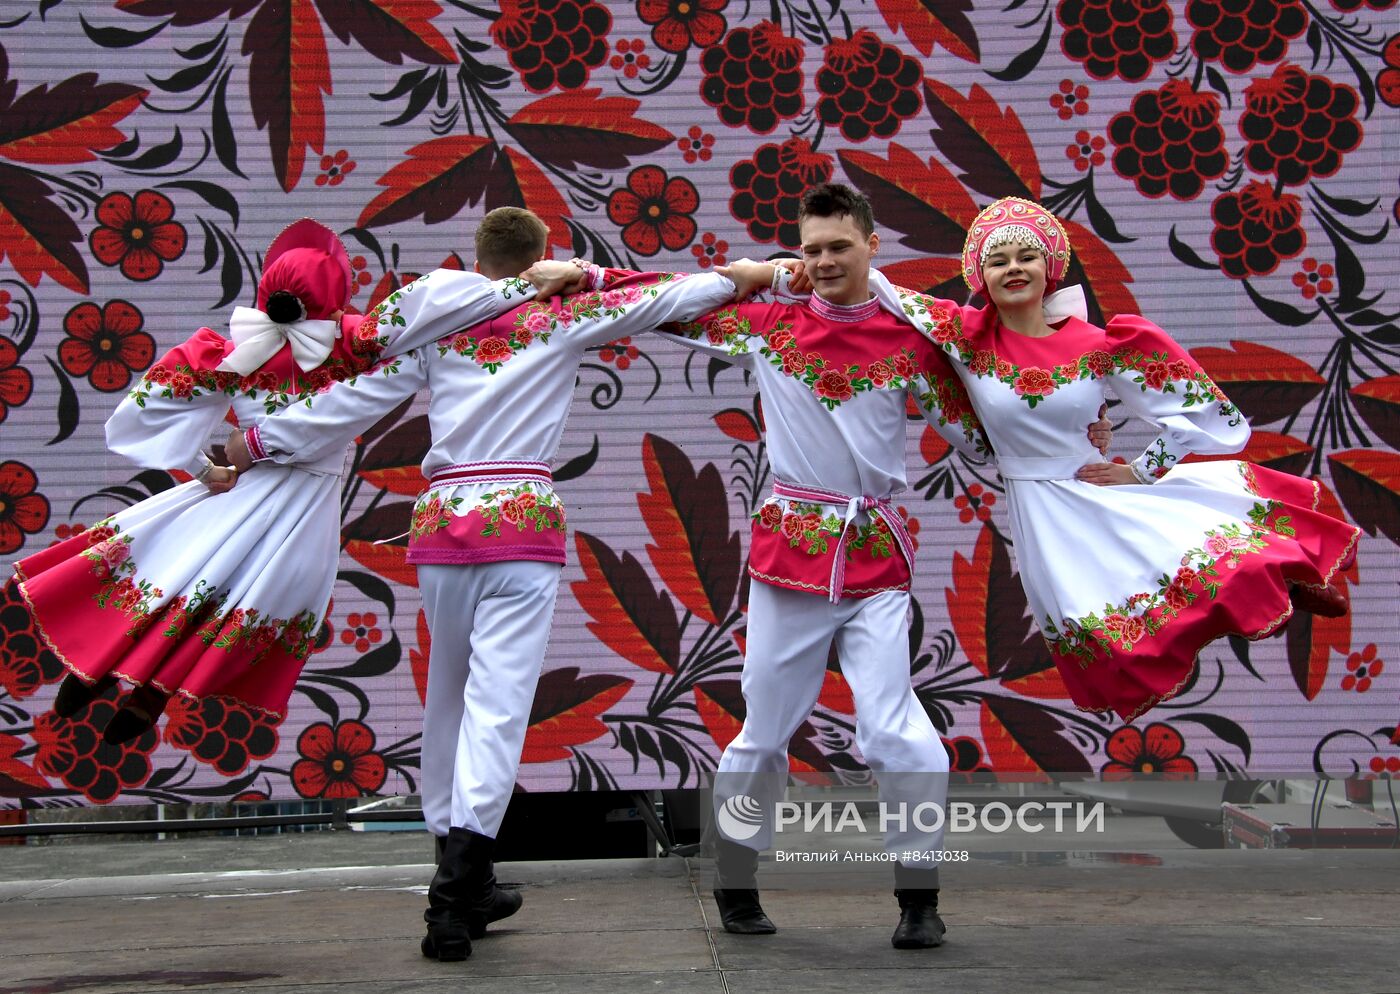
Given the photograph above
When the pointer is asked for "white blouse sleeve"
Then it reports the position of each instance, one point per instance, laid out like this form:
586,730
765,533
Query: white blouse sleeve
329,421
1158,381
168,417
434,306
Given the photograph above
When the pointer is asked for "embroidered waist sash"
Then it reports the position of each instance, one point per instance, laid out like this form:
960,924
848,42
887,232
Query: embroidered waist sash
483,512
876,507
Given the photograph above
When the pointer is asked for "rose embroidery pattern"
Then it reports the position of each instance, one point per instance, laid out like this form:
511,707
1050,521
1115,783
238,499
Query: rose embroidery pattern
804,526
1123,626
522,507
432,514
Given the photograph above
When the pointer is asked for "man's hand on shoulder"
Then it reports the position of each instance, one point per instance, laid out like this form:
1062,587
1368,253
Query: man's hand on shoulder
551,276
749,277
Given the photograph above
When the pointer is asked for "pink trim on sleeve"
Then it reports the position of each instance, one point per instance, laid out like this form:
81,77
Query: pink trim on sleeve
253,439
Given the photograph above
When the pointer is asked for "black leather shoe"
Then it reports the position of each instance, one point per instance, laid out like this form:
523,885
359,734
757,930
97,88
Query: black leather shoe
74,694
919,925
741,914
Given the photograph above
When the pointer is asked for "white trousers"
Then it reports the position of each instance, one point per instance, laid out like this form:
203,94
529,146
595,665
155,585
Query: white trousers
490,625
789,638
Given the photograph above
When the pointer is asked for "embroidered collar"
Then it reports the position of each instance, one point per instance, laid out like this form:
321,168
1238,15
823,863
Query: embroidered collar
846,313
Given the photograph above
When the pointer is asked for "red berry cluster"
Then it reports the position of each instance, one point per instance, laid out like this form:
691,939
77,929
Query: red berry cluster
223,733
867,87
1298,126
620,353
26,662
553,42
754,77
1240,33
1255,230
1114,38
74,752
1388,82
1347,6
1170,141
767,189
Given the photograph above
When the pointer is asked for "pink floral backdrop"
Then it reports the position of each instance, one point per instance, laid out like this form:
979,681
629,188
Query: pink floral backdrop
1234,180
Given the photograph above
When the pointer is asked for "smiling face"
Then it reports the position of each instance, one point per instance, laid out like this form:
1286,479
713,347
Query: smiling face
1015,275
837,254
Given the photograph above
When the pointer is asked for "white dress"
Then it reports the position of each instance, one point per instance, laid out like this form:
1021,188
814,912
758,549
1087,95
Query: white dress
1129,583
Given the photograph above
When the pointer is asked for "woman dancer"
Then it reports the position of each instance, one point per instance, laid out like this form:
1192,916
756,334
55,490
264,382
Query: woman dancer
1130,570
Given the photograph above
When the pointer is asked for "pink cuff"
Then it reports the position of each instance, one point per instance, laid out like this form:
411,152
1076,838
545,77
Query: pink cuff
253,439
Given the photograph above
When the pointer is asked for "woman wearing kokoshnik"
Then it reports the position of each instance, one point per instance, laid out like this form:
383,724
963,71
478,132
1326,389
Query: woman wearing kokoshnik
1129,570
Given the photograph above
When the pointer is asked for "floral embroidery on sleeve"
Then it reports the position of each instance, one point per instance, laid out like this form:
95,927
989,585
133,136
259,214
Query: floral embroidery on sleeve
724,327
535,322
181,382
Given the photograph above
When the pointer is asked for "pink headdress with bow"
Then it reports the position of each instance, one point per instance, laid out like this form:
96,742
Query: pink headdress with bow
305,279
1013,219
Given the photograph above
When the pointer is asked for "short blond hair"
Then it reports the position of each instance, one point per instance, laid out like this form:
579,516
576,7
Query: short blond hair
511,238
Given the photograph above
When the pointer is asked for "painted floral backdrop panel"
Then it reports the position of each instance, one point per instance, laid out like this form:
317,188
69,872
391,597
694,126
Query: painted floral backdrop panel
1228,170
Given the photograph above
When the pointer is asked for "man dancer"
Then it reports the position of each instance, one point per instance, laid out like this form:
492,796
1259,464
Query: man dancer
487,534
831,555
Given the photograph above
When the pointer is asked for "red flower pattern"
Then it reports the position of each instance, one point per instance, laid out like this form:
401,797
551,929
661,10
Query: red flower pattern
334,169
697,145
337,761
361,630
22,510
679,24
16,382
654,210
106,345
710,251
137,234
631,57
1158,749
1362,669
1070,99
976,503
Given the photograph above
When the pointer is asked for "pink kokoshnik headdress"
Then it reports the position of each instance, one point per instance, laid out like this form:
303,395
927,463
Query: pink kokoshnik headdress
1012,219
305,279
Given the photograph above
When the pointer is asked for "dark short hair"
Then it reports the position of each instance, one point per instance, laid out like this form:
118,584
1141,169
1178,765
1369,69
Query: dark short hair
837,200
511,238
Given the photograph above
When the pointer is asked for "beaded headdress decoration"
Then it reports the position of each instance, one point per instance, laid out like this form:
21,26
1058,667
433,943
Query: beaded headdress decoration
1013,219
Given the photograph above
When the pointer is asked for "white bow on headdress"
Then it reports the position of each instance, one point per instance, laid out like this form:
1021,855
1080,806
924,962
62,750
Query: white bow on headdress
257,338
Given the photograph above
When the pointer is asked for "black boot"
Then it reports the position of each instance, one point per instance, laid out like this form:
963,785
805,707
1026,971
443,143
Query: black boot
74,694
447,939
919,925
736,868
463,897
137,716
491,903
